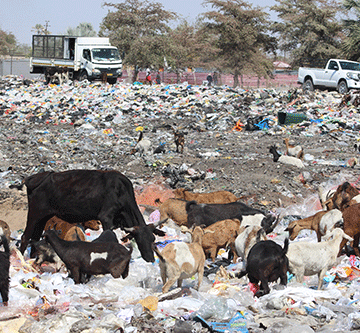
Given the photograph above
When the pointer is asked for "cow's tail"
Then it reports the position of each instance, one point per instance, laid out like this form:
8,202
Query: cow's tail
189,204
5,243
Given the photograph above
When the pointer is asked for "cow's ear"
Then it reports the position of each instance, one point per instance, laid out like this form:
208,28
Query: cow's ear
159,232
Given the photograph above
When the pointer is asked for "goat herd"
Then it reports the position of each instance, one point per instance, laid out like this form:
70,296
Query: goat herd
215,220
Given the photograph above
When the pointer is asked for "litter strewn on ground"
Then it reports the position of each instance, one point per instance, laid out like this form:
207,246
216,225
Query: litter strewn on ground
83,125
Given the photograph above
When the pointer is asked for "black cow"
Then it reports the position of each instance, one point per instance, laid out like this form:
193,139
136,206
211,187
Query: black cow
207,214
81,195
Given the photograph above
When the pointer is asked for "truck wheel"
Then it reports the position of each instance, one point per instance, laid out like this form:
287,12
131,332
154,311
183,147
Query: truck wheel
83,76
308,85
342,87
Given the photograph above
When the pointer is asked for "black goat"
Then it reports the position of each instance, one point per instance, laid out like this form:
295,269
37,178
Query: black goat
91,258
207,214
266,262
4,270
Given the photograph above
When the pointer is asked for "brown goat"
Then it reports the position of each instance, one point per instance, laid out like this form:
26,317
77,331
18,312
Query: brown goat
220,235
351,217
322,222
175,210
180,260
212,197
343,194
69,231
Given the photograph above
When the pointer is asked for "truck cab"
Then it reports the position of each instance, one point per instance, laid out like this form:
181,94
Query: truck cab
91,58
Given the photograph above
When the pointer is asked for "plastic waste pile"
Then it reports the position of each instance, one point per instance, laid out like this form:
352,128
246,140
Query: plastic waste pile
93,125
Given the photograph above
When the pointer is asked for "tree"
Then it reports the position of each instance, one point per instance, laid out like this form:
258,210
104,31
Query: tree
41,30
242,36
351,45
7,42
187,46
308,29
84,29
138,28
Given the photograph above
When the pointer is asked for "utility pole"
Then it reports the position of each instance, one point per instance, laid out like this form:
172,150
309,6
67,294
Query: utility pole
46,27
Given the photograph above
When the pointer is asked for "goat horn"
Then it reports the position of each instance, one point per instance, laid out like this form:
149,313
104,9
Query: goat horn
156,224
129,230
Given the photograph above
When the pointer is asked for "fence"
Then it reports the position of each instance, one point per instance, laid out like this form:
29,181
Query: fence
20,66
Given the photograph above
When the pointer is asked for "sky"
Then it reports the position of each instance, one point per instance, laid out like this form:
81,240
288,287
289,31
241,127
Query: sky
20,16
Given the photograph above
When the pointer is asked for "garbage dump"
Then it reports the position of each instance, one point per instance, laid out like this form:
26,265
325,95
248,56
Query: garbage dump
227,134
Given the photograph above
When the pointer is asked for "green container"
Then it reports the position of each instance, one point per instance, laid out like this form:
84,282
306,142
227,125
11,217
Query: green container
290,118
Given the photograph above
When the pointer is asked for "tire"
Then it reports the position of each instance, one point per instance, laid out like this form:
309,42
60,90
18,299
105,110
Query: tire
342,87
308,85
83,76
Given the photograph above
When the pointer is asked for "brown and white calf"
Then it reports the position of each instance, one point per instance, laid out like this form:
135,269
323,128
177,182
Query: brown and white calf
180,260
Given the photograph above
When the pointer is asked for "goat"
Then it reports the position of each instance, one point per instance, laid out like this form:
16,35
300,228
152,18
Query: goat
212,197
321,222
91,258
351,216
266,262
343,194
174,209
44,252
206,214
5,230
220,235
179,139
4,270
248,236
180,260
289,160
307,258
295,151
142,146
324,197
69,231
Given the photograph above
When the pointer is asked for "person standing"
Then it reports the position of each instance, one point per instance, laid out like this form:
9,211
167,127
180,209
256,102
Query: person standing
148,76
209,79
158,79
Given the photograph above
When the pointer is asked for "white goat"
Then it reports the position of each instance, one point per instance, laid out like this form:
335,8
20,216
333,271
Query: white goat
290,160
180,260
329,220
248,236
292,150
307,258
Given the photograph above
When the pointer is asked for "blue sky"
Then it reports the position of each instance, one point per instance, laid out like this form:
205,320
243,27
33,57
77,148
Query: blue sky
20,16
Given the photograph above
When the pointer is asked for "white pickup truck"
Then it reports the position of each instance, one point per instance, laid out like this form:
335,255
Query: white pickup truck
338,74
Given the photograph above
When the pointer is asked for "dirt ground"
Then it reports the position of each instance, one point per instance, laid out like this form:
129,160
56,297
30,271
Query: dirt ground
236,161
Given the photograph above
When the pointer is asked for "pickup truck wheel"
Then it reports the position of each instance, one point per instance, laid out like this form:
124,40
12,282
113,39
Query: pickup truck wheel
308,85
342,87
83,76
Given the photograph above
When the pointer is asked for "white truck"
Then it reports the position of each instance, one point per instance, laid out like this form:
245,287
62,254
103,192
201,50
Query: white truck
78,58
338,74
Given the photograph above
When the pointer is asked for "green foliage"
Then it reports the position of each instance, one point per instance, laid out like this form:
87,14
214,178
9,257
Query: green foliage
351,45
242,36
308,29
138,29
7,42
84,29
